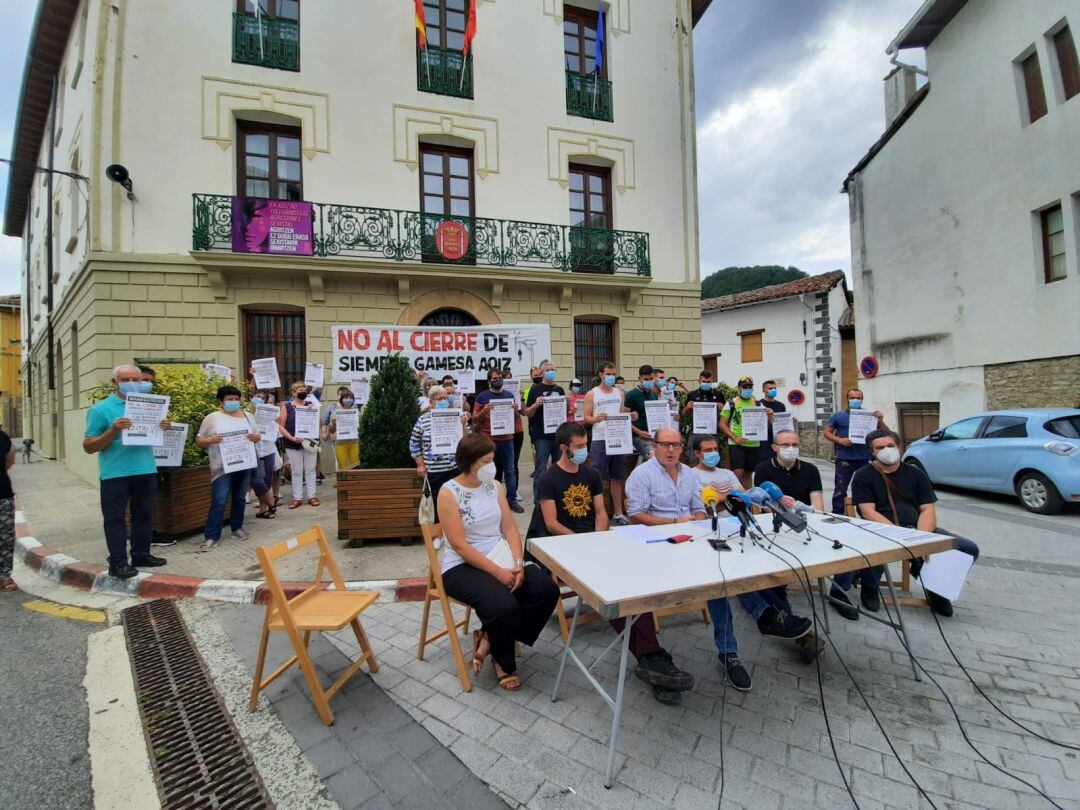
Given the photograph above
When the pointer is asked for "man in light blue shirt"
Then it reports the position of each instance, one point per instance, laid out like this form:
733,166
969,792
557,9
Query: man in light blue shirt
128,474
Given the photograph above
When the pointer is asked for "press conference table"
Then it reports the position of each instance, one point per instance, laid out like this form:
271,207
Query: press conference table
621,575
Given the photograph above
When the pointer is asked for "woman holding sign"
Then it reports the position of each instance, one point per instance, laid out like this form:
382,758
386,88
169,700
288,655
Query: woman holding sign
343,429
299,426
229,435
436,464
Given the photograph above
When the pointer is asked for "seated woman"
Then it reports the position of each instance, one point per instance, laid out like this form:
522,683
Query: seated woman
482,562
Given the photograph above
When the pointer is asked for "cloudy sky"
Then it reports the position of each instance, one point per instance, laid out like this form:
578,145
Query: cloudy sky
789,98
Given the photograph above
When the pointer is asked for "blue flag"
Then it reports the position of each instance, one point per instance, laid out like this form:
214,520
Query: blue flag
599,36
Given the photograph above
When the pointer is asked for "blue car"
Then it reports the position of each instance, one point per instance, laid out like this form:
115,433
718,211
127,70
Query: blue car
1033,453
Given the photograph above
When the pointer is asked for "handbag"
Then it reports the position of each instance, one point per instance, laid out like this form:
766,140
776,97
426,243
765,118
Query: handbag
426,512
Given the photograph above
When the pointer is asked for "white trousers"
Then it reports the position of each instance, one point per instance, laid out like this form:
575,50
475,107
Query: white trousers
303,471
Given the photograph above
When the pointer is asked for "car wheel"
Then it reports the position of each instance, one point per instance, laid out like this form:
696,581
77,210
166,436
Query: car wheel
1037,494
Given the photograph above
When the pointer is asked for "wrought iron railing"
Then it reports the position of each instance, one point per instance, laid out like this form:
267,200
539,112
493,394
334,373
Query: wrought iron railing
440,70
351,231
589,97
265,41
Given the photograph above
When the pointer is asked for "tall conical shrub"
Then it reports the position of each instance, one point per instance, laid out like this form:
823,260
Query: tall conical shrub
389,416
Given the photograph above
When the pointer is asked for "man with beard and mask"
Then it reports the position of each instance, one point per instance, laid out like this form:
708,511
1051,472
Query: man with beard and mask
504,445
850,456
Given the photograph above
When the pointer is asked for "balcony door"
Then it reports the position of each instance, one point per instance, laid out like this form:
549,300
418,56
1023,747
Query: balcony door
269,162
446,193
590,218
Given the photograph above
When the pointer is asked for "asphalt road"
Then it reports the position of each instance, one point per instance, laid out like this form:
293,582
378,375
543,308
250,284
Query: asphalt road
43,746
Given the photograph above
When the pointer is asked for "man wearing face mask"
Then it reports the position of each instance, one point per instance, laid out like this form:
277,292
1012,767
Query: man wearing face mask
776,406
706,392
543,442
744,453
504,445
601,401
850,457
575,402
636,398
128,475
887,491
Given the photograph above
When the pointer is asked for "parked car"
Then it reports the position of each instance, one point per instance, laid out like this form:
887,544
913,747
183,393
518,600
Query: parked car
1033,453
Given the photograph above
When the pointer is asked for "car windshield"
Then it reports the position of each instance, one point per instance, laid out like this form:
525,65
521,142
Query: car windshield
1067,426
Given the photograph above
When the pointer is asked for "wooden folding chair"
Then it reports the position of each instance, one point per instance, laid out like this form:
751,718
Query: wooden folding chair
435,590
566,592
313,610
905,570
657,614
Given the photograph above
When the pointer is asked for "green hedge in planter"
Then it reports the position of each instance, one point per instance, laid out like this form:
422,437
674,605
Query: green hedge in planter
389,416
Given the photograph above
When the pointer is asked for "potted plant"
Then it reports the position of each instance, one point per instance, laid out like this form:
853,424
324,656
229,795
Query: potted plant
183,493
380,499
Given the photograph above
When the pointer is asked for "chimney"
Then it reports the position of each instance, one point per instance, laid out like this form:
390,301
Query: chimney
899,88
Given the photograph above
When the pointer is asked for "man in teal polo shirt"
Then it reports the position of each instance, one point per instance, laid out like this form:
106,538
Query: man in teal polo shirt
128,475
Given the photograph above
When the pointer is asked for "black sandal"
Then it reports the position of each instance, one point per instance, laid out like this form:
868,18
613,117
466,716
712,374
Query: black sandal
268,514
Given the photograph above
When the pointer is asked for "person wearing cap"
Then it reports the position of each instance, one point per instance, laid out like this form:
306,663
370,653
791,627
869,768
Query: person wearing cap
575,402
743,452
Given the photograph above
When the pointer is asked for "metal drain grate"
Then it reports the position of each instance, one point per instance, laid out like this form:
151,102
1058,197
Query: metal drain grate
199,760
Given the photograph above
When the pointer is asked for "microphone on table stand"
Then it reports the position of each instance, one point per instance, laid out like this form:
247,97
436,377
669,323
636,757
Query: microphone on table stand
782,513
738,503
711,498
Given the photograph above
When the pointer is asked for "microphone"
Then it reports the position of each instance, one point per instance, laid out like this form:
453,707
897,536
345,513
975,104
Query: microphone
773,500
710,497
738,503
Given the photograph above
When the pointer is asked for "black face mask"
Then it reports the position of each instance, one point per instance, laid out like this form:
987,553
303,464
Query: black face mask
495,385
536,380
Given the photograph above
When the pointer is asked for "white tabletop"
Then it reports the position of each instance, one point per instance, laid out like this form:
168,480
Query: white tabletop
620,573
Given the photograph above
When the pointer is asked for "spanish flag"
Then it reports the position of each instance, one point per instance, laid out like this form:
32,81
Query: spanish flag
418,21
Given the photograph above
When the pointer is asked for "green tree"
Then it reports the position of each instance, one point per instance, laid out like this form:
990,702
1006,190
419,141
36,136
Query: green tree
733,280
388,418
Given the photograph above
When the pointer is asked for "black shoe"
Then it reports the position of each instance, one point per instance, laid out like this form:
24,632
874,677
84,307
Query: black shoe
939,604
149,561
871,598
666,696
124,571
515,506
737,675
781,624
657,669
163,541
809,647
847,610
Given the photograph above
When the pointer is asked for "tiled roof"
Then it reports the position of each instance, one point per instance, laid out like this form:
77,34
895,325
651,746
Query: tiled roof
11,301
802,286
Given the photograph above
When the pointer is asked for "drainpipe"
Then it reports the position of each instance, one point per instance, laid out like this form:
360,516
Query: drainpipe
49,237
894,53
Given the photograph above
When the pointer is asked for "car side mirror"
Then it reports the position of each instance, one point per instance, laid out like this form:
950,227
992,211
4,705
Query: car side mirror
936,436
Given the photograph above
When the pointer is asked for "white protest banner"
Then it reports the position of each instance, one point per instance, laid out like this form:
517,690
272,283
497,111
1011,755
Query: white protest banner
361,388
554,413
171,453
437,350
609,403
755,423
579,409
446,431
657,415
466,382
212,370
502,417
782,420
514,387
146,411
860,423
705,418
347,424
265,373
618,440
237,451
307,423
313,375
266,422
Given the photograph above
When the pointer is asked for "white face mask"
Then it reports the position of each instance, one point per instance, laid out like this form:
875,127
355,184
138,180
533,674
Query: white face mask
789,453
888,456
486,474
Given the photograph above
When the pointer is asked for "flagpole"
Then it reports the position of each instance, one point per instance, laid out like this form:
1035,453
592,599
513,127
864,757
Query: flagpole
596,88
464,62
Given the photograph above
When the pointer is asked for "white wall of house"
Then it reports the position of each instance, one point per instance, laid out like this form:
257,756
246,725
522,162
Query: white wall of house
946,243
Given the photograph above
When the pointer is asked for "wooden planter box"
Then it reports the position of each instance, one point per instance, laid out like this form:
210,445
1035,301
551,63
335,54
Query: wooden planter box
378,504
183,501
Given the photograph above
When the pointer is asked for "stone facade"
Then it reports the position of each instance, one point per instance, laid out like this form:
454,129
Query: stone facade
1052,382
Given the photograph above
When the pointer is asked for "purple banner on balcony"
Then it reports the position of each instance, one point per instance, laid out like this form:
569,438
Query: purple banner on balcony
271,226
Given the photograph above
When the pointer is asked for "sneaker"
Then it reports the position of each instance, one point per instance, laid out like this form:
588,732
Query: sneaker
620,520
847,610
939,604
737,675
515,506
809,647
781,624
124,571
666,696
657,669
149,561
871,598
240,534
161,541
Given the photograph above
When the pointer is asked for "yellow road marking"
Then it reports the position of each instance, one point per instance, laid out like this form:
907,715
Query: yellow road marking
66,611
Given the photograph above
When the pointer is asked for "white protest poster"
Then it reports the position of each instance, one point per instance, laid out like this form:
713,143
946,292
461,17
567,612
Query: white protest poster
446,431
657,415
466,382
438,350
502,417
860,423
782,421
237,451
618,440
307,423
146,411
313,374
265,373
579,409
347,422
554,413
514,387
266,422
755,423
361,388
171,452
946,573
705,418
212,370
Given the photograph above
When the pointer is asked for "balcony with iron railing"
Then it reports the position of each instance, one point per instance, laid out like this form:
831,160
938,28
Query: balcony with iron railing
392,235
589,97
266,41
444,71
